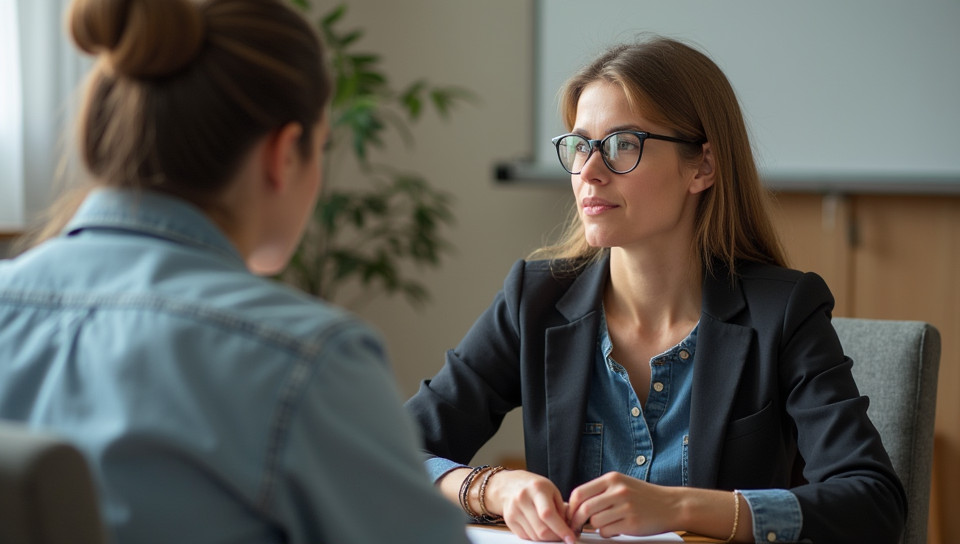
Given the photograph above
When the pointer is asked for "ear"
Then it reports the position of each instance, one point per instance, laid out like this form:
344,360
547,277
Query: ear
706,171
282,155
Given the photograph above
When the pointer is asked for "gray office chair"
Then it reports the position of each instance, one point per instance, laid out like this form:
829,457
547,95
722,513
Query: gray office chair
47,495
895,363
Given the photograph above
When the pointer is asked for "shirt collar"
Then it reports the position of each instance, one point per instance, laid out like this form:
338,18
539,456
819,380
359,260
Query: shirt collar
689,343
153,214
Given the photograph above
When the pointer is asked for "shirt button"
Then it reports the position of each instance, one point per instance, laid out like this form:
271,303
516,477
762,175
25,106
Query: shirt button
635,411
684,354
642,459
657,386
771,536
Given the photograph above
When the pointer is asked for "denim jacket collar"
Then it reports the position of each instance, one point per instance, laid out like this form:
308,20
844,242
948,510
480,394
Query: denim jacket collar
151,213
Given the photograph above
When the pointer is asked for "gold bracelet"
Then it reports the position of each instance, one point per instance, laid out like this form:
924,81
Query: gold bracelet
736,515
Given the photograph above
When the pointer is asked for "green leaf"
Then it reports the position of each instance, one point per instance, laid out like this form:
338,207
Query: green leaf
363,61
370,81
359,219
376,204
346,264
441,101
335,15
416,293
351,37
411,99
424,218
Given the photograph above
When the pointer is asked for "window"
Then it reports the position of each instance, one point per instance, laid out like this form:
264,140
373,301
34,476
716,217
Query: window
40,70
11,122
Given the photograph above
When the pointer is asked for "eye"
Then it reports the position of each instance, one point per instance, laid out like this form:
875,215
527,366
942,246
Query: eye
582,147
627,144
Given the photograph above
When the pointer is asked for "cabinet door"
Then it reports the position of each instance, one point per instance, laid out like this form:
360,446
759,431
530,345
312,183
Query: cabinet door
907,266
815,232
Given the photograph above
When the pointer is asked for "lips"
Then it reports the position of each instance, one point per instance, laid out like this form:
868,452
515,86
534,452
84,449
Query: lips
596,206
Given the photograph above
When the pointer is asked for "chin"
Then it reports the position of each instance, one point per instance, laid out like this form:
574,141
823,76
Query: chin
265,270
267,263
599,241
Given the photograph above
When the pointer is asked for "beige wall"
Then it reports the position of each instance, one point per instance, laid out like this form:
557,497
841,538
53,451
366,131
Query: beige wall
487,47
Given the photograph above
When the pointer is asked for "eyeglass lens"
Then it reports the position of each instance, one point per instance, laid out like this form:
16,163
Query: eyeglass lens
620,150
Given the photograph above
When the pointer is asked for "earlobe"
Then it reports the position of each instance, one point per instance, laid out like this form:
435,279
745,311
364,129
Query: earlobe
281,155
706,172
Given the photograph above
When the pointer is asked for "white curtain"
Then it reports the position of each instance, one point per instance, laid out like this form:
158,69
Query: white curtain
41,70
11,122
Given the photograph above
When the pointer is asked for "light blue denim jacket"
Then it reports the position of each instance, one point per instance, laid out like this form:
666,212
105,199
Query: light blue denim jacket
212,405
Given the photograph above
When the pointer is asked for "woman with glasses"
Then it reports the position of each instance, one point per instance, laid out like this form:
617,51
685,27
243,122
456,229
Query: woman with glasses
674,374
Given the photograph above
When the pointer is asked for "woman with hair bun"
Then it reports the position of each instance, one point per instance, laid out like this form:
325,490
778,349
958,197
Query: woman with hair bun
213,405
673,373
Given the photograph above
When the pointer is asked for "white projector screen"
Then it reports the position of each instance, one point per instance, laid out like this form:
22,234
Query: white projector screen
862,92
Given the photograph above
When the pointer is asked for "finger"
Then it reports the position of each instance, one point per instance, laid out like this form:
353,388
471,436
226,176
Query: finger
609,522
588,510
519,527
584,492
538,516
555,522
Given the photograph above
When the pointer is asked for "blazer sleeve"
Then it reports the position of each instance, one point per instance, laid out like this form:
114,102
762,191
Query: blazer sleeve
851,493
462,407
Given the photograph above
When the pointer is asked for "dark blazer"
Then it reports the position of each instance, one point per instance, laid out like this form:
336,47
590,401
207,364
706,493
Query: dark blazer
774,403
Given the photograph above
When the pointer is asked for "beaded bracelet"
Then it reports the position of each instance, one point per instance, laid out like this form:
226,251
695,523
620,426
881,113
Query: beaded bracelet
487,516
465,491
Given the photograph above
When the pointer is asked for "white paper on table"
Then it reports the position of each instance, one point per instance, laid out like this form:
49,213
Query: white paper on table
489,535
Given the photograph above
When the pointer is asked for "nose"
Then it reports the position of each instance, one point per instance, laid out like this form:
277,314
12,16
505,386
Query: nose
594,169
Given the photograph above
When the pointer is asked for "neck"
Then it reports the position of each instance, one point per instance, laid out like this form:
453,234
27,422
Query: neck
655,290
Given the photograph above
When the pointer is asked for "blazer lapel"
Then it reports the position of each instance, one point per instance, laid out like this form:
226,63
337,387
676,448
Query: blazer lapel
569,355
722,350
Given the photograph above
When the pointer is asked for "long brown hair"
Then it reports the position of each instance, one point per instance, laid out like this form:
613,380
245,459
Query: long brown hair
676,86
182,89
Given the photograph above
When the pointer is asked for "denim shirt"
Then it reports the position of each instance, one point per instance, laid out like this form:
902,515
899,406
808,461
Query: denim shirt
650,442
211,404
646,442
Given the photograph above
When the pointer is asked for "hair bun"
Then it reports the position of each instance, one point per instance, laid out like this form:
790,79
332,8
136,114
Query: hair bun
139,38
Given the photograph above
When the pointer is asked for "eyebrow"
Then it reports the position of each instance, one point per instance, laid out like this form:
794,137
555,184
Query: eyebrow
618,128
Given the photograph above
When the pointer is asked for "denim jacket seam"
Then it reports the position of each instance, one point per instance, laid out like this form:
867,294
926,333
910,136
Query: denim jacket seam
211,316
291,392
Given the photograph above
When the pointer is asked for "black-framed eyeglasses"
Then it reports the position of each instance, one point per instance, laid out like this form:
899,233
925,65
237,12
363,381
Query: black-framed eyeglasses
620,150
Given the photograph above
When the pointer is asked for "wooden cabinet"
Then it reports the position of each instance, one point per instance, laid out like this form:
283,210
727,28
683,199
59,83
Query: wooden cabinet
893,257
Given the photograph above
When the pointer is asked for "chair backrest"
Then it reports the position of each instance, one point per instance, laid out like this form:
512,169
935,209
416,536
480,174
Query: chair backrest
47,495
895,363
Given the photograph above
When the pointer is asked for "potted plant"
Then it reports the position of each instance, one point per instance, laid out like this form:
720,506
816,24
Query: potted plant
369,235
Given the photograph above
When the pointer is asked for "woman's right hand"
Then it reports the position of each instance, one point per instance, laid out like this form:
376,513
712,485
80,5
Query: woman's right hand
530,504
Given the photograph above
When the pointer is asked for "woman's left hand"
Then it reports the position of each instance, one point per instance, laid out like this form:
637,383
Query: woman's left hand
617,504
